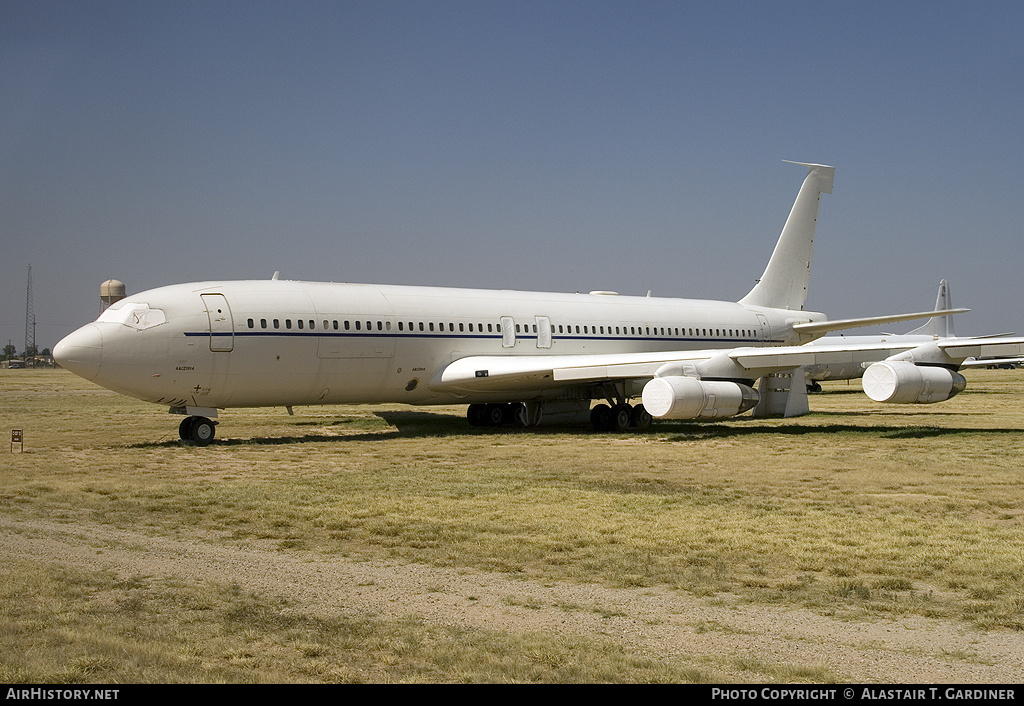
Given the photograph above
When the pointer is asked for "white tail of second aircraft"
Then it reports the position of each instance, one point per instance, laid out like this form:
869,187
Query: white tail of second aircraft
784,282
939,326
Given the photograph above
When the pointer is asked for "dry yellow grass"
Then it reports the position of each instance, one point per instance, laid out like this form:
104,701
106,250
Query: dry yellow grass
857,509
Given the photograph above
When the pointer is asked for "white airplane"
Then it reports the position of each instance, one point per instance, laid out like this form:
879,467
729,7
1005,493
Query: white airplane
510,355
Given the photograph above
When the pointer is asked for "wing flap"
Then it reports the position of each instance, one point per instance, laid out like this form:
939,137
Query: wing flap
484,373
787,357
979,347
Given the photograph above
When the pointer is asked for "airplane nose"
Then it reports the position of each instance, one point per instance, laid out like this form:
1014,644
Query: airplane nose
81,351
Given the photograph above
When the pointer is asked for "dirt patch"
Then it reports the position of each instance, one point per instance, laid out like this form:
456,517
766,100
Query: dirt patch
660,624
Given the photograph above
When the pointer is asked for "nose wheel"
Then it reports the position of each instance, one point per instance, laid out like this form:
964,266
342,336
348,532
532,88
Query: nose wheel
197,430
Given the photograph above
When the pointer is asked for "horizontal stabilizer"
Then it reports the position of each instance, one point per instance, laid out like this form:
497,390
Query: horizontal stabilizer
822,327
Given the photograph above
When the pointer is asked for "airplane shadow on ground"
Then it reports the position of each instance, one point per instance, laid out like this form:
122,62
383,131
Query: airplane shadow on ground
418,425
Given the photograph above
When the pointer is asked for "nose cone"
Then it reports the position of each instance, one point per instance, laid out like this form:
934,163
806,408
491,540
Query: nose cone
81,352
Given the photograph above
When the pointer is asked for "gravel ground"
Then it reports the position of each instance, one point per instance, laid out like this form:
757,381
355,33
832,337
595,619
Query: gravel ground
660,624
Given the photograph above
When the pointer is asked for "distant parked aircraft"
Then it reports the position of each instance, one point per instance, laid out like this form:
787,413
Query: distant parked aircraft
933,329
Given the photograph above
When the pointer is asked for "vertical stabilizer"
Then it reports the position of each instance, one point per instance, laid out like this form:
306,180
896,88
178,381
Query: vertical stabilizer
941,326
784,282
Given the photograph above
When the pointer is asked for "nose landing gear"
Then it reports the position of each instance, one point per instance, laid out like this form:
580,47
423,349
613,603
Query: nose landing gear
197,430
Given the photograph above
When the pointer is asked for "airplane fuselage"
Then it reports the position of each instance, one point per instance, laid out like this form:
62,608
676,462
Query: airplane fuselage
283,343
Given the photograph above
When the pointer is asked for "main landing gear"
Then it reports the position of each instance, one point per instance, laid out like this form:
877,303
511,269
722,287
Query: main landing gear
620,417
197,430
495,415
616,414
617,417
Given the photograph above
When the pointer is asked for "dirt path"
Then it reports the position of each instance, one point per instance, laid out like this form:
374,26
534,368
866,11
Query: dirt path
657,623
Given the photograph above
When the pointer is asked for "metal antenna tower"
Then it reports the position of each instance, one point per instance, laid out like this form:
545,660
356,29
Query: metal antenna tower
30,319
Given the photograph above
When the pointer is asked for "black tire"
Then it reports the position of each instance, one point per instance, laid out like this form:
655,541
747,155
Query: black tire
202,431
619,420
477,415
519,417
641,418
496,415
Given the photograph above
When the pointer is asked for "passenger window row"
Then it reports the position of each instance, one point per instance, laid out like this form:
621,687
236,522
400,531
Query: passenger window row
654,331
360,325
429,326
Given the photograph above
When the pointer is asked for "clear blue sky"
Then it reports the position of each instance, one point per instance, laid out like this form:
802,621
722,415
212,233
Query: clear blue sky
562,146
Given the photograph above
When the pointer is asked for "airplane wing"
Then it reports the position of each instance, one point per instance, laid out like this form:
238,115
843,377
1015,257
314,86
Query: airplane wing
895,372
495,373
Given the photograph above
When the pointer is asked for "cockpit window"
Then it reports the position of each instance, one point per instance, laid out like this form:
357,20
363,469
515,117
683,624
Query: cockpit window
137,315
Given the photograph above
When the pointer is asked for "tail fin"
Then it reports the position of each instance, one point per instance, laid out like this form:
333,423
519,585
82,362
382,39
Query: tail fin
941,326
784,282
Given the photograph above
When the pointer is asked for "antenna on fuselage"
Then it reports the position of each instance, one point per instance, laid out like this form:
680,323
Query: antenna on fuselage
276,273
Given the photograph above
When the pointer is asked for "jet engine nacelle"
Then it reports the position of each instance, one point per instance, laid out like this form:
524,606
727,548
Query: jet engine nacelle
901,382
677,397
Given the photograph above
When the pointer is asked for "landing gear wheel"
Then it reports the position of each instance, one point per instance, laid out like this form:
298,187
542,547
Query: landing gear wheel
641,418
202,431
619,420
477,415
497,414
197,430
599,417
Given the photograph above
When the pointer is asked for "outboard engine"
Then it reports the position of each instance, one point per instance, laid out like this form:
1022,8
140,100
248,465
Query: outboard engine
901,382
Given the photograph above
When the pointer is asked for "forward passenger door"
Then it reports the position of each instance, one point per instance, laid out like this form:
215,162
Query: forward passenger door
222,327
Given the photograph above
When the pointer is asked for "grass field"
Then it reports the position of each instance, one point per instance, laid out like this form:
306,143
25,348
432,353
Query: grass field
858,509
